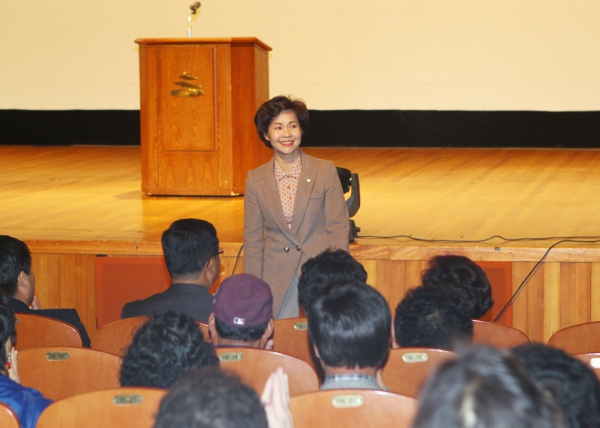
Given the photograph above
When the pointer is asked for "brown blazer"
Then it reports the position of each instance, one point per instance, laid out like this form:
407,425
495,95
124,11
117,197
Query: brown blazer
273,251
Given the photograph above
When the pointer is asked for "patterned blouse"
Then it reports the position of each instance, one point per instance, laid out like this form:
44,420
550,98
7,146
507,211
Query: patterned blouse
288,184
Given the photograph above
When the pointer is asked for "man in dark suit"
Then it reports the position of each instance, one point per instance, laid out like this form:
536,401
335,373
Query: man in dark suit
17,282
192,255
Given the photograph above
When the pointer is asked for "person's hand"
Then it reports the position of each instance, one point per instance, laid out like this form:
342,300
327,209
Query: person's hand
35,304
12,365
276,400
270,345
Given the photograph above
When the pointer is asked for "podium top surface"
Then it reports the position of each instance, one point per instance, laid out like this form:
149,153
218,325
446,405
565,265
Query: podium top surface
230,41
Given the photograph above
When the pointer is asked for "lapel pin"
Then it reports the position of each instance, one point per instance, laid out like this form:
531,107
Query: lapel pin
308,180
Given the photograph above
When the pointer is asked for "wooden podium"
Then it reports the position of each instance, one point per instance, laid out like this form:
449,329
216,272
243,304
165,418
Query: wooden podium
198,100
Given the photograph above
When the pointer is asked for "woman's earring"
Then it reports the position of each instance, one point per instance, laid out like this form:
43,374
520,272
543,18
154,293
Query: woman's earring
9,363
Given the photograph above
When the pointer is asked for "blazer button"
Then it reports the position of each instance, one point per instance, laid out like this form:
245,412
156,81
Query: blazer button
286,249
298,247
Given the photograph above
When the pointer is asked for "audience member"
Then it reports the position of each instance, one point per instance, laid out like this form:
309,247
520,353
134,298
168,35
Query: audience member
484,388
242,313
426,318
573,385
329,266
349,324
27,403
17,282
462,277
209,398
163,349
192,256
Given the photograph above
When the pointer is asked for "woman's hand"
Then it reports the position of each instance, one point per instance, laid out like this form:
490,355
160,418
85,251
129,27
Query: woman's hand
276,400
12,366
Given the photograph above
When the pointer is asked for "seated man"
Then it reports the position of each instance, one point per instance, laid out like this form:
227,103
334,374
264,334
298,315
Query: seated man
573,385
17,282
329,266
427,318
349,323
242,313
461,277
192,256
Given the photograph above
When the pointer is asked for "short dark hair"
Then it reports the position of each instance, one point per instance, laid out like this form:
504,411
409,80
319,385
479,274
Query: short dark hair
463,277
350,324
484,388
210,398
573,385
248,334
14,259
327,267
427,318
273,108
188,244
163,349
7,330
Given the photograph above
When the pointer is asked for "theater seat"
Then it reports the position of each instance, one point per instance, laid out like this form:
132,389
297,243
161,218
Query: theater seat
114,408
116,336
345,408
8,418
36,331
498,335
255,365
291,337
61,372
592,359
578,339
407,369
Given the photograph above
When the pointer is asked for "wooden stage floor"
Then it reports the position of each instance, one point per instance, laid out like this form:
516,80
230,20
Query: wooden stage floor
93,194
75,202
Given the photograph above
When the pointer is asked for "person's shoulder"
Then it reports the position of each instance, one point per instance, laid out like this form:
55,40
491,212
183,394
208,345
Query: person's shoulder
318,164
261,170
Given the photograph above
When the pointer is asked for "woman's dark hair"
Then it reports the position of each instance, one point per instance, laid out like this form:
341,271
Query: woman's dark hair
164,349
462,277
7,330
484,388
273,108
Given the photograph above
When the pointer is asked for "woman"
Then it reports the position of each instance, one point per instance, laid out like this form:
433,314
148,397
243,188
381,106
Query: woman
294,206
27,403
164,349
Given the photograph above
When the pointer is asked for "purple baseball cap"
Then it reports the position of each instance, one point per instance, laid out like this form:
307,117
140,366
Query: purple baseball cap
243,301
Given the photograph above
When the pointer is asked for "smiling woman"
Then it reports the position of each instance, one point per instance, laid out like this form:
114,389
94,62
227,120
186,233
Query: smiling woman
294,206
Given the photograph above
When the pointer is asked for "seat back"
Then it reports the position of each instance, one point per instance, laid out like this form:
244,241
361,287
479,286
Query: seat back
291,337
592,359
255,365
407,369
36,331
498,335
115,408
344,408
61,372
116,336
8,418
578,339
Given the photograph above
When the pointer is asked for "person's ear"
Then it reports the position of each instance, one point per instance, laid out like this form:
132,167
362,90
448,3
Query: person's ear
267,137
22,280
212,328
267,334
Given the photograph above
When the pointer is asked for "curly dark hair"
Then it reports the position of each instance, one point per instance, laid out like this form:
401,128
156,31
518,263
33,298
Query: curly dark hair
327,267
273,108
209,398
7,330
163,349
573,385
428,318
463,277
